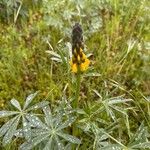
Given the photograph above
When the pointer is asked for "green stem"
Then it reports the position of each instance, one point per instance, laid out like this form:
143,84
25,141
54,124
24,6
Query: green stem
78,82
75,103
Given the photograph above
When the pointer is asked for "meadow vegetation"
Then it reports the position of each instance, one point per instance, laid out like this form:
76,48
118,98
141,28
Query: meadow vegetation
113,108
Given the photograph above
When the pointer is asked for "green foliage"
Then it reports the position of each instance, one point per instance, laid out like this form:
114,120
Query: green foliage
22,115
114,102
12,9
33,130
51,133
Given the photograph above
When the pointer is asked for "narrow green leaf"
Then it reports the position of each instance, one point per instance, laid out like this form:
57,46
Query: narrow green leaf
119,109
112,114
117,101
92,74
19,133
97,93
68,146
6,126
26,129
142,145
56,59
48,115
81,111
38,105
112,147
6,113
66,123
11,132
29,100
59,144
48,145
35,121
38,131
69,138
33,142
138,136
53,53
16,104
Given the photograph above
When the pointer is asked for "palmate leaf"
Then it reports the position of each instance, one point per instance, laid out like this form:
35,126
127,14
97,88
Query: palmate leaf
100,136
101,139
141,134
112,105
50,132
28,120
140,138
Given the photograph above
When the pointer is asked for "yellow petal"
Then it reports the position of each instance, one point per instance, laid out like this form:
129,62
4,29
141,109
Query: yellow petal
84,66
80,50
78,58
74,68
84,56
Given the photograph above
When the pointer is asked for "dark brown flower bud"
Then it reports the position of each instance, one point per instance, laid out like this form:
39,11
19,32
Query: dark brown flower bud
77,38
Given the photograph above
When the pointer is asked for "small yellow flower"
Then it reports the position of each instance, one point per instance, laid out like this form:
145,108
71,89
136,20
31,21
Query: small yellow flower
84,66
74,68
79,62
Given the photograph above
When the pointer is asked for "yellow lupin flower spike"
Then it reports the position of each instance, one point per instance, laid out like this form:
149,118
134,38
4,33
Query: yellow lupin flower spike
79,61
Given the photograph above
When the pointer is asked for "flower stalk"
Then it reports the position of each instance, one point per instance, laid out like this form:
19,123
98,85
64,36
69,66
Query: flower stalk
75,103
77,94
79,63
